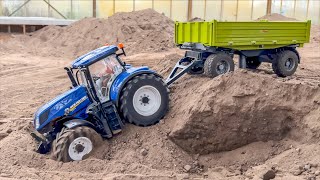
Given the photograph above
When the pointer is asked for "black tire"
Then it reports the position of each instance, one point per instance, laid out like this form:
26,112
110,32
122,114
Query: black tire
285,64
195,70
127,108
253,62
66,136
213,63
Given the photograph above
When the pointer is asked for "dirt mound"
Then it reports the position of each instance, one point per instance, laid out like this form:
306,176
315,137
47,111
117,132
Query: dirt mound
231,111
196,19
276,17
165,65
140,31
315,35
206,115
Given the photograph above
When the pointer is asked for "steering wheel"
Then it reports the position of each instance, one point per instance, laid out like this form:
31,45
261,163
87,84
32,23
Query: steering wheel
95,78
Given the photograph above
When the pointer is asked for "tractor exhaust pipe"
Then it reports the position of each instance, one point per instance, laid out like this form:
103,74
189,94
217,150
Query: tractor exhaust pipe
70,74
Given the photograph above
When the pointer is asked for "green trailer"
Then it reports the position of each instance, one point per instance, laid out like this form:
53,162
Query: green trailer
212,45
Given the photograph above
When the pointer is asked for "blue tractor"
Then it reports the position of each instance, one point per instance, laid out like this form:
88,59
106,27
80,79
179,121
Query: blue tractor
105,94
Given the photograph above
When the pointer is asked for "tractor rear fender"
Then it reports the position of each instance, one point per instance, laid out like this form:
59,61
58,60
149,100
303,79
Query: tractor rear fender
78,122
120,82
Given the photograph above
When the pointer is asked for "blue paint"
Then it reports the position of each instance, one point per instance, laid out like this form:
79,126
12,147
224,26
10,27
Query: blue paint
122,78
94,56
56,107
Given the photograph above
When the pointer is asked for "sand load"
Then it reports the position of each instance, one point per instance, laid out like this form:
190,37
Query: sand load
140,31
230,111
276,17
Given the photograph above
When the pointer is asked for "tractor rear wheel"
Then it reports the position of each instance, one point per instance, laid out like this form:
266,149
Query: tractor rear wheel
253,62
285,63
144,100
75,144
217,64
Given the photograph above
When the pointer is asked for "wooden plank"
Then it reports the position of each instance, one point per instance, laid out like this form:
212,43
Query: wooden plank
294,8
252,10
134,5
205,10
9,28
307,9
269,5
114,7
94,8
48,9
189,9
24,29
221,10
237,10
170,8
71,9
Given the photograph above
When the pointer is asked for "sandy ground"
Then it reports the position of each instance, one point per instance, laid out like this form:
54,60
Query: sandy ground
237,126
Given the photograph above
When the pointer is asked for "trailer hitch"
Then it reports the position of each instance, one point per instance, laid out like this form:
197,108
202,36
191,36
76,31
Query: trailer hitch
184,65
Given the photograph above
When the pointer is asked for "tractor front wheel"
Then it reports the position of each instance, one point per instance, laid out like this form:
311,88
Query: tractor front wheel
75,144
144,100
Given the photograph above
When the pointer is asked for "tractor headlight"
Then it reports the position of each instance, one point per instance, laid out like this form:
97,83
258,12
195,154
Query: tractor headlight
36,122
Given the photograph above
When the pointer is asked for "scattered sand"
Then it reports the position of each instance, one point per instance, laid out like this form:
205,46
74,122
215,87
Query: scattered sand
236,126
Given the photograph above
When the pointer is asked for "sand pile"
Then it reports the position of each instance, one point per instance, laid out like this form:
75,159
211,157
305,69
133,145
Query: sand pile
225,113
196,19
277,17
315,35
165,65
140,31
206,115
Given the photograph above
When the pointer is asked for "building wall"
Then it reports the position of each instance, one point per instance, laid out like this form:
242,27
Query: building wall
228,10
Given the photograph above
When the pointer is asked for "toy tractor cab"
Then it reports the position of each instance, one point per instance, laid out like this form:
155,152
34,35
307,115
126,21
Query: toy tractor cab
105,94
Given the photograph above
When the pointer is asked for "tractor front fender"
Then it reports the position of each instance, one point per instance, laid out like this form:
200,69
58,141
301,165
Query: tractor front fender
78,122
123,78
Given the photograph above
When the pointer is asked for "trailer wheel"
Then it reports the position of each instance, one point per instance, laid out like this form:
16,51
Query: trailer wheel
144,100
285,64
75,144
217,64
195,70
253,62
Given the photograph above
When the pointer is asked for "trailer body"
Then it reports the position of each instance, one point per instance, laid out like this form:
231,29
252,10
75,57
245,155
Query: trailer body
253,35
211,46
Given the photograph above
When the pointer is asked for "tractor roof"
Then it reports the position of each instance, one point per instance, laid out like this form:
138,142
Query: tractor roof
94,56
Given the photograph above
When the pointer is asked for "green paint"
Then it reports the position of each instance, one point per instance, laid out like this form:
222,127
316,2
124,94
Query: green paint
243,35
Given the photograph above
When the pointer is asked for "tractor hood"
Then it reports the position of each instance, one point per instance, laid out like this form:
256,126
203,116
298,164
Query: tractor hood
94,56
70,103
